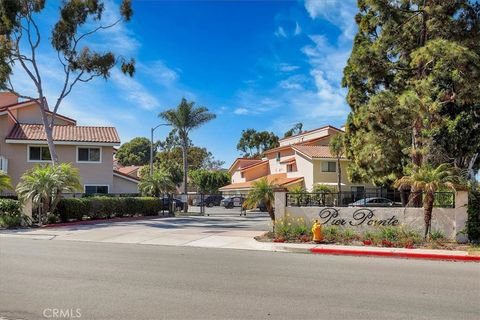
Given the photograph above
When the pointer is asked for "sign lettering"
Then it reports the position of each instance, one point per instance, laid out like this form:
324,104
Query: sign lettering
363,216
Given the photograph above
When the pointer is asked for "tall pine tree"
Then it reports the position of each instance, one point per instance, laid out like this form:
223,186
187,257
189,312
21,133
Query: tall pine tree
413,82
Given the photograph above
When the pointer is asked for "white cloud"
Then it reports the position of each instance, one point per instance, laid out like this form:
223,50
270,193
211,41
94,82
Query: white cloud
241,111
338,12
280,33
285,67
134,91
294,82
298,29
159,71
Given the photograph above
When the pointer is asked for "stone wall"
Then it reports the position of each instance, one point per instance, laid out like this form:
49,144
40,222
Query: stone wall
450,221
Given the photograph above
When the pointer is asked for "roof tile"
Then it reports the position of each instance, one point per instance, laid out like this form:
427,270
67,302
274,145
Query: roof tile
65,133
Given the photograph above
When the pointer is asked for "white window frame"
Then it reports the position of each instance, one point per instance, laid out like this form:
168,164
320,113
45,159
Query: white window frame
89,147
327,163
96,185
37,146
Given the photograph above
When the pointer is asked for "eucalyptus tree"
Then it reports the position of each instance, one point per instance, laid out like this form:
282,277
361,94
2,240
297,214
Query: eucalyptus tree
21,39
185,118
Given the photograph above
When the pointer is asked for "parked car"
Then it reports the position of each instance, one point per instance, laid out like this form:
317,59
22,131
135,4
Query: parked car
208,201
231,202
178,203
374,202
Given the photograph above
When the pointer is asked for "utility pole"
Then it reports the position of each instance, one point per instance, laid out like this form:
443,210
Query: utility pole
151,145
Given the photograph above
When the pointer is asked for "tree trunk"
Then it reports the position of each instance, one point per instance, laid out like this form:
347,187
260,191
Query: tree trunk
185,175
339,182
44,211
271,213
428,208
48,130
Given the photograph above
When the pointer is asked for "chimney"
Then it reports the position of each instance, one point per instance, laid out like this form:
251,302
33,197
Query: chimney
8,98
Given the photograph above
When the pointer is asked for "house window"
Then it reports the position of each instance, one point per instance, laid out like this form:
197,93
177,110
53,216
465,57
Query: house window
242,174
88,154
278,156
39,153
289,167
96,189
329,166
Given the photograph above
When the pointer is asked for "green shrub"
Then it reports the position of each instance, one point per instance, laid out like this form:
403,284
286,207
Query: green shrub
331,233
473,222
72,209
11,215
349,235
290,228
107,207
437,235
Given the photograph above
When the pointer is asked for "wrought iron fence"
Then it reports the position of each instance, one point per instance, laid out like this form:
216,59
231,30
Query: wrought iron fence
367,199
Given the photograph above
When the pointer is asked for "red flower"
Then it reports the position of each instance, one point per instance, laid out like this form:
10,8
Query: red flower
367,242
387,243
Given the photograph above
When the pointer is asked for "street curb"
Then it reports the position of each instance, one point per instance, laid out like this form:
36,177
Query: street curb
97,221
392,254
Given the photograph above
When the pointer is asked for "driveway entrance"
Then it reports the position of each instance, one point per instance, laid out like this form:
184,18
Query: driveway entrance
223,230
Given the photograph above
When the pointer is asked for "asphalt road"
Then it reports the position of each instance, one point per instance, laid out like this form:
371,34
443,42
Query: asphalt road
125,281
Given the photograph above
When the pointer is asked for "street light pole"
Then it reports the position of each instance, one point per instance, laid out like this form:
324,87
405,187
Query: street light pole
151,145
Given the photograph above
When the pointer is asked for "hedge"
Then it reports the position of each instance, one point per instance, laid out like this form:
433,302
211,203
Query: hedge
107,207
473,222
11,214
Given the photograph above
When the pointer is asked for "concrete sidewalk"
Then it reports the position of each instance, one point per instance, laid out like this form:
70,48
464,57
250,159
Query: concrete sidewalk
225,232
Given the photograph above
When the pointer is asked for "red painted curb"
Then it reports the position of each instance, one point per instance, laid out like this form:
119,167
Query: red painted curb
429,256
87,222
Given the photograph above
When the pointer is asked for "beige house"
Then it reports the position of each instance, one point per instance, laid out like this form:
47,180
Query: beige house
90,149
301,160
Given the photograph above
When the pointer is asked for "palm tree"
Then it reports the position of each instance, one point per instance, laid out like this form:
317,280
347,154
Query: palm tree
337,149
156,184
67,180
44,185
186,117
429,180
5,182
263,191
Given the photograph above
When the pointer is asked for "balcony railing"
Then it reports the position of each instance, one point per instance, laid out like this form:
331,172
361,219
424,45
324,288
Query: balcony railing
3,164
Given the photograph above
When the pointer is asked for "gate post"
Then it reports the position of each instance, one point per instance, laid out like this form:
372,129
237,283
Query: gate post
461,215
280,202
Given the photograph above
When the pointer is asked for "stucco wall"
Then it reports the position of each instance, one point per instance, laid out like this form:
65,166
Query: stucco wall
121,185
90,173
256,172
448,220
32,115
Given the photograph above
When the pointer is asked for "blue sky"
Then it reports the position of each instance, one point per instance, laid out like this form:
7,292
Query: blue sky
256,64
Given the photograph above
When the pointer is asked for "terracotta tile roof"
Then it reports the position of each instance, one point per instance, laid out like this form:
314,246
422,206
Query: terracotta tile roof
126,175
253,165
310,131
65,133
314,151
301,143
243,162
279,179
129,170
288,161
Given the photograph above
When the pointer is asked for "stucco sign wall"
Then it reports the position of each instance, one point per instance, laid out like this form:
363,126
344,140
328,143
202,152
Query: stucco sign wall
448,220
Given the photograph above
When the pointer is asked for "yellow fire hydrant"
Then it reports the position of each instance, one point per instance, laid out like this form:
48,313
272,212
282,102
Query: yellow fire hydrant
317,231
